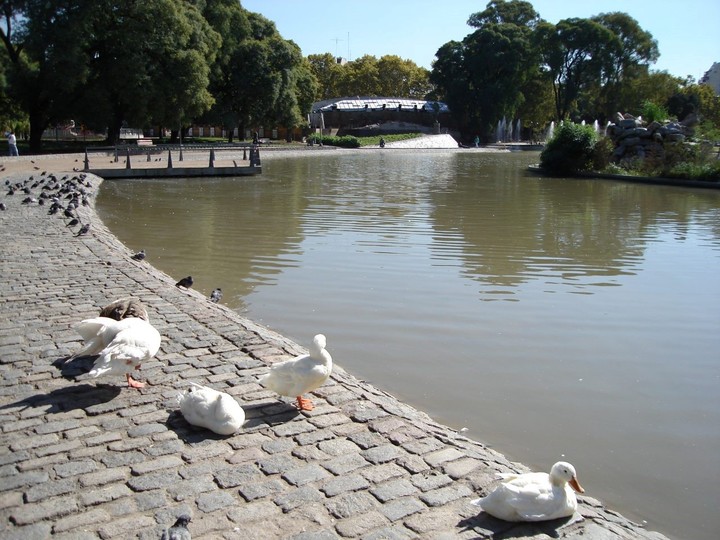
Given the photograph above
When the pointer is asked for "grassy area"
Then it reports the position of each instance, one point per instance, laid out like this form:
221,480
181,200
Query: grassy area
374,141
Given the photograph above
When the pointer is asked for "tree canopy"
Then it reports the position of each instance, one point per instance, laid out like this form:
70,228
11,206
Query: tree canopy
513,63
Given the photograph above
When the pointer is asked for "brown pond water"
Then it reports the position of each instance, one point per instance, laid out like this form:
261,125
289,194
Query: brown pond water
552,318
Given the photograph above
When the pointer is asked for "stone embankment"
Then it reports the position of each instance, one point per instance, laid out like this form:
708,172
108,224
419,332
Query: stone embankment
634,140
91,458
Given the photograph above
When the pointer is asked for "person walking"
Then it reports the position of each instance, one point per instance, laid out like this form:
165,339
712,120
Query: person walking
12,143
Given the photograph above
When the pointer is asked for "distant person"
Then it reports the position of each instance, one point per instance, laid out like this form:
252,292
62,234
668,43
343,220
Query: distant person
12,143
477,141
382,142
256,139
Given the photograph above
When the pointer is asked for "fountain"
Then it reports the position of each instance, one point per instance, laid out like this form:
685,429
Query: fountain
550,131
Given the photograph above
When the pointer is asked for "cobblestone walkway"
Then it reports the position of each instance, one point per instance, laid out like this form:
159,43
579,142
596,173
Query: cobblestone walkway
92,458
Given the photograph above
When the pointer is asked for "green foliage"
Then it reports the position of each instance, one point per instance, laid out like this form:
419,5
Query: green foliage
482,78
347,141
570,150
695,171
368,76
652,112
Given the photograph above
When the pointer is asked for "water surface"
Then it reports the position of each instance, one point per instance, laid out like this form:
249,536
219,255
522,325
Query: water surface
552,318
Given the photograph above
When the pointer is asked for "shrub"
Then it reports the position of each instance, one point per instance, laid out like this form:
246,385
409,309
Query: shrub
652,112
346,141
570,150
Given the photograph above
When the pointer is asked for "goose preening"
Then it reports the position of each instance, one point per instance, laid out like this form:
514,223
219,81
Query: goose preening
121,345
534,496
301,374
124,308
210,409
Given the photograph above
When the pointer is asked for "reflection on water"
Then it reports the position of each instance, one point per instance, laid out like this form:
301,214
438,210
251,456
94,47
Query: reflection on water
550,317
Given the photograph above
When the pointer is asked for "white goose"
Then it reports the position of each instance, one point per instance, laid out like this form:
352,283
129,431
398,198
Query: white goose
301,374
534,496
213,410
121,345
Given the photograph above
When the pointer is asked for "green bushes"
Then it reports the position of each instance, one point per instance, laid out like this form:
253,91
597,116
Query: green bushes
652,112
346,141
570,150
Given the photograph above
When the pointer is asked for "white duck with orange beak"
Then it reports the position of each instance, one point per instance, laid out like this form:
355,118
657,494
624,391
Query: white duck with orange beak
301,374
534,496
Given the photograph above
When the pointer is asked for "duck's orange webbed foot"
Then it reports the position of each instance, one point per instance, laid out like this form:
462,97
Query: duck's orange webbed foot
132,383
304,404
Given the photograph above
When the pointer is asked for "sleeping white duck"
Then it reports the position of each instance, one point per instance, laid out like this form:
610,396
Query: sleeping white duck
121,345
534,496
213,410
301,374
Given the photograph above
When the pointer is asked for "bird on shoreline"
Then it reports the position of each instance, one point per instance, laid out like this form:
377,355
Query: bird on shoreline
534,496
83,230
301,374
139,256
208,408
179,531
216,295
185,282
121,346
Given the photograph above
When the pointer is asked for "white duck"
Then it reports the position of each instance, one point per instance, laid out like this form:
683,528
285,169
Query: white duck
534,496
213,410
121,345
301,374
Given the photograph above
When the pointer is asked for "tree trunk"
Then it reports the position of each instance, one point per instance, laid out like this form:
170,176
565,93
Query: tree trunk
38,123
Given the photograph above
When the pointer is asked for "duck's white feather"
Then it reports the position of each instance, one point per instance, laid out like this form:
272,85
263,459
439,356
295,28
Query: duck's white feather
301,374
533,496
121,345
210,409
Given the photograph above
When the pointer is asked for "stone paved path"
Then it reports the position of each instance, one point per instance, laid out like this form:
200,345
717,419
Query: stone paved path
92,458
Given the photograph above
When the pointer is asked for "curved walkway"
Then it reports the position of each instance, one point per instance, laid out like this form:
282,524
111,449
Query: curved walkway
94,459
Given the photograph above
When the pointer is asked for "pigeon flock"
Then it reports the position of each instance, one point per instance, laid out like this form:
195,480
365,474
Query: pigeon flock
63,196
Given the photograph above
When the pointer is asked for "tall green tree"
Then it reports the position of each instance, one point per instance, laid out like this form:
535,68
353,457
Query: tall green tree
46,69
261,78
482,77
637,51
149,64
575,53
328,73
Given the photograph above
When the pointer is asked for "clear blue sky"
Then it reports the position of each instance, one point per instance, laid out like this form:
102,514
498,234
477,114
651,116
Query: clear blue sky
687,31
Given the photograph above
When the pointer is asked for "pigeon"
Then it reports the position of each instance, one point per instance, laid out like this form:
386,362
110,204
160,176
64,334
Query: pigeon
139,256
185,282
73,222
83,230
2,206
179,531
216,295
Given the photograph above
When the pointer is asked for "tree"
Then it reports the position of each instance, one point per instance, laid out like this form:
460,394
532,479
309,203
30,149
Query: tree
637,51
328,73
402,78
149,63
575,53
482,77
45,69
361,77
260,77
515,12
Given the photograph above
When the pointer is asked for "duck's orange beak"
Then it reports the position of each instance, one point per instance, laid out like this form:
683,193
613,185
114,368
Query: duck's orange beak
576,485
